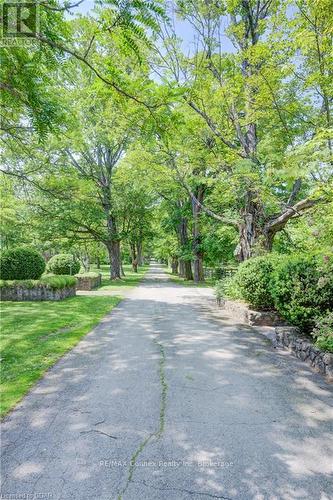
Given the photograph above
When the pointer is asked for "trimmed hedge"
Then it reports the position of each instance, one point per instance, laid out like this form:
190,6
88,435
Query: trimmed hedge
58,282
87,275
21,264
63,263
53,282
46,288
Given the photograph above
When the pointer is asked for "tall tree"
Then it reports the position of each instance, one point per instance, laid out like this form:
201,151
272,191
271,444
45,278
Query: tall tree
256,108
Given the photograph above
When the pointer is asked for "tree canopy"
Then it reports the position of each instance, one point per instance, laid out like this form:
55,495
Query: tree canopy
122,139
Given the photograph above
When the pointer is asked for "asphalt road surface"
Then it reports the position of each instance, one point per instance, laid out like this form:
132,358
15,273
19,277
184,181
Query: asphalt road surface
169,399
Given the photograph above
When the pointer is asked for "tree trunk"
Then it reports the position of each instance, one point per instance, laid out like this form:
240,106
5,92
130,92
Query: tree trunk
198,274
85,261
114,258
139,253
184,243
257,233
188,270
181,268
185,269
113,243
247,236
122,273
133,251
98,263
249,230
134,258
268,240
174,265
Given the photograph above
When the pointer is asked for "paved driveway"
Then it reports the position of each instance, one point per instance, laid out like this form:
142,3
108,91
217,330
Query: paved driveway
167,399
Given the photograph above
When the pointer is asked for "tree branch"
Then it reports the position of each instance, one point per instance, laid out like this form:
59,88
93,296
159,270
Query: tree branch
214,129
66,7
294,192
209,212
278,222
56,45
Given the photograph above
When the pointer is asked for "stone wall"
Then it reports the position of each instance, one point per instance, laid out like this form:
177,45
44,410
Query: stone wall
283,335
242,312
88,283
291,338
40,292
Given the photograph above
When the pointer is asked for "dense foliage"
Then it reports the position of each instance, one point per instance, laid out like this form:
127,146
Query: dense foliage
121,143
323,332
21,264
253,282
63,263
302,290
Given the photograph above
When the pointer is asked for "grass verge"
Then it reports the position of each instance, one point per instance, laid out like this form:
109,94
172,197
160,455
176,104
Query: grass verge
128,281
208,283
34,335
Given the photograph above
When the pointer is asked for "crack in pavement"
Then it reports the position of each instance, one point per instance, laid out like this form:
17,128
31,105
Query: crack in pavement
100,422
123,366
99,432
194,388
156,434
184,490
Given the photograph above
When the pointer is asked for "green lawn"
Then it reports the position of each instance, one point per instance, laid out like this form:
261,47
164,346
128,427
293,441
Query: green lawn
34,335
208,283
130,279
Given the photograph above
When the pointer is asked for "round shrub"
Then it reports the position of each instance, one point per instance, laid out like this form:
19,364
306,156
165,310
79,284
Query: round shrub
21,264
63,263
253,282
303,290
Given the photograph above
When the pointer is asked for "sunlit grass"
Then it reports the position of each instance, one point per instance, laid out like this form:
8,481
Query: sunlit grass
34,335
130,279
208,283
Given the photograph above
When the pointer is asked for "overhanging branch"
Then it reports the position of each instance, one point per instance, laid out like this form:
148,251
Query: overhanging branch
79,57
278,222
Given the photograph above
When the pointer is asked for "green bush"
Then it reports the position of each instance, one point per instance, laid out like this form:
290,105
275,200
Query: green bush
21,264
299,288
63,263
302,290
227,288
220,290
54,282
323,332
219,273
252,282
